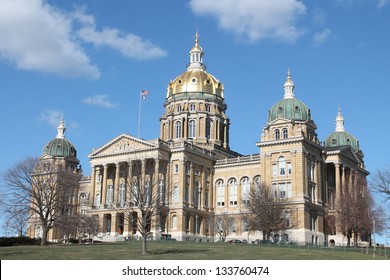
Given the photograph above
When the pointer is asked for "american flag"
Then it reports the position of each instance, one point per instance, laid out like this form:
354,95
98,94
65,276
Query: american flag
144,93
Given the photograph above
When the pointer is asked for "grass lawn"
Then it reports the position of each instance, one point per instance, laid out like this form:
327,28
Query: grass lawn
185,251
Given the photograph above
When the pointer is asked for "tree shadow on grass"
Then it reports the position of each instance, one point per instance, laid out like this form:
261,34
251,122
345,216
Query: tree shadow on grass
177,251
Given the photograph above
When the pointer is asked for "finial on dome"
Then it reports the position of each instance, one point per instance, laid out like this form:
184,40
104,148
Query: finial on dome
61,129
289,86
339,121
197,37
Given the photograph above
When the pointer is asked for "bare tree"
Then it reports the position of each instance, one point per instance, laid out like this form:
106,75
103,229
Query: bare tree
268,211
223,224
15,219
354,210
144,202
43,188
380,183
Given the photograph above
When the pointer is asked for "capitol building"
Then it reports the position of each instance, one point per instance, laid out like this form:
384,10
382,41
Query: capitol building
199,178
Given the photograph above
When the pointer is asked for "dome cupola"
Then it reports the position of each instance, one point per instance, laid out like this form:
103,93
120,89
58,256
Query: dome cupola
60,146
289,107
340,137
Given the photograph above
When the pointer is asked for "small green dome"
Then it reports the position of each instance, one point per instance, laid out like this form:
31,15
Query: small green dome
60,147
289,107
341,137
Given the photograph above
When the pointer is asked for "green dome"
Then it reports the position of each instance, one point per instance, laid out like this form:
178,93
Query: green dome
60,147
342,138
291,109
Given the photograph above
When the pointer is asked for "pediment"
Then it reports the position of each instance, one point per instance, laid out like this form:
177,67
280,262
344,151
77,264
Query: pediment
123,144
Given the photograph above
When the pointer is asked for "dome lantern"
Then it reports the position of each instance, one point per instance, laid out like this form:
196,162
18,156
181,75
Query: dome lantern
289,86
196,55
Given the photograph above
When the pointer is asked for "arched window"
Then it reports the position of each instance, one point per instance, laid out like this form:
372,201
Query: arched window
245,190
257,181
178,129
285,133
191,129
282,166
179,108
220,193
192,107
232,191
176,168
122,194
110,195
277,134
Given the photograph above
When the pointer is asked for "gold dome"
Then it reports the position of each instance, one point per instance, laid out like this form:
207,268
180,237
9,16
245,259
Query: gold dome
195,81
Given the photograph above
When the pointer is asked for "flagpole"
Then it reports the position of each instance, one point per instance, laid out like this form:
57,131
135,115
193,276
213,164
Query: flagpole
139,113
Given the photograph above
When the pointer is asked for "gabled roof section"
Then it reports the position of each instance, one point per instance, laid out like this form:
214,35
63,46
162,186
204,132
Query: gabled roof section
345,151
123,144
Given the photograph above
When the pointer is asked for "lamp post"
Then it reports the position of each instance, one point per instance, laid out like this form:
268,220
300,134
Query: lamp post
373,252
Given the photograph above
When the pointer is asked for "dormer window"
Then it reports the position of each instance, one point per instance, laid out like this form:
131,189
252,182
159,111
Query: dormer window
285,133
277,134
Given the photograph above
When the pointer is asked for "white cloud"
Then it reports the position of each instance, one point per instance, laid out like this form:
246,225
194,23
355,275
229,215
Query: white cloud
36,36
128,44
321,37
255,19
383,3
51,117
99,100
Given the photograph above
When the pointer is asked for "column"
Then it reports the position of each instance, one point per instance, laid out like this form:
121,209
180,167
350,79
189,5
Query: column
156,181
116,184
211,189
191,186
202,188
114,228
129,184
338,186
104,188
93,184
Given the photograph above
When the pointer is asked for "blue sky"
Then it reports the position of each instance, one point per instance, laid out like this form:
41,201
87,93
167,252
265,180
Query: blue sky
89,60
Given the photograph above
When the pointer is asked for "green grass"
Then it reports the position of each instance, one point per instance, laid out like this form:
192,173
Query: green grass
185,251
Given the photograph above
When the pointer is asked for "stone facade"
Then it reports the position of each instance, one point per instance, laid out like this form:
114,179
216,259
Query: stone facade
200,179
